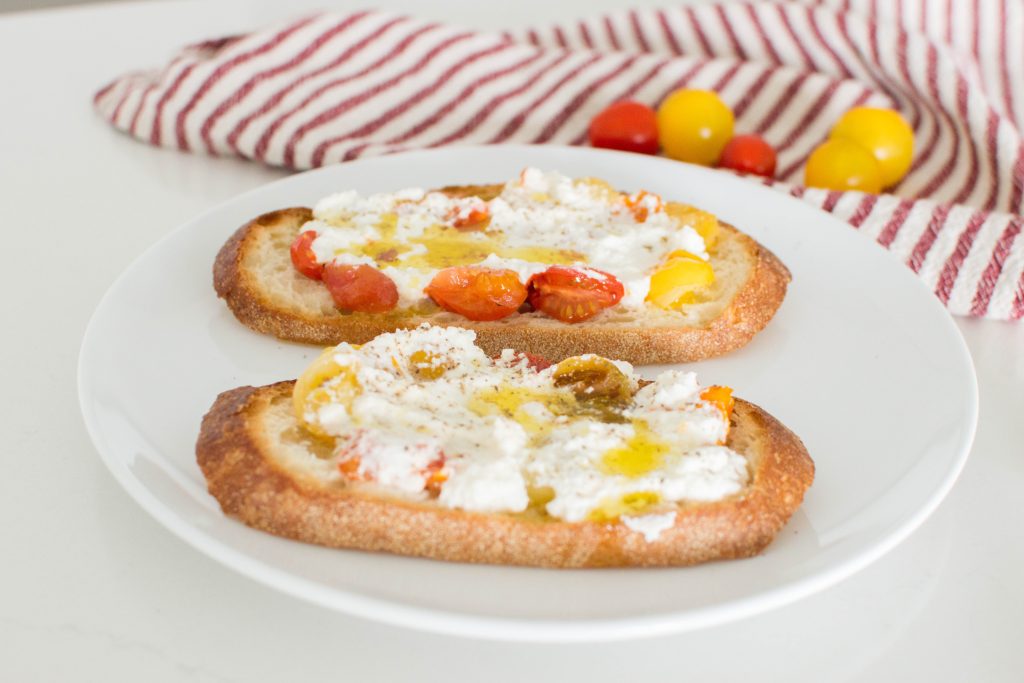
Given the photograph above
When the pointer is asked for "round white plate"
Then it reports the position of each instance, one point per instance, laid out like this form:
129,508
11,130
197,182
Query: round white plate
861,361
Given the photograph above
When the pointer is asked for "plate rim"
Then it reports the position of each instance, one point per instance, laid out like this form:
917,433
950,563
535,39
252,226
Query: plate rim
512,629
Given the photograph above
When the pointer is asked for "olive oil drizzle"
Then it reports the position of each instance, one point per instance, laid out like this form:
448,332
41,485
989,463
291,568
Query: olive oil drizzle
442,246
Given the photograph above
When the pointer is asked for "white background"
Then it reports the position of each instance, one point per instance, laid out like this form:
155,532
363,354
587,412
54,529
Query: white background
91,588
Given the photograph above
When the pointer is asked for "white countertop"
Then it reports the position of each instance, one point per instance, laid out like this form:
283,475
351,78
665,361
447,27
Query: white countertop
94,589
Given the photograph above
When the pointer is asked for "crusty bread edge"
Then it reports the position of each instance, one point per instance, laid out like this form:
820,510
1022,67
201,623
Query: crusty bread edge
254,488
749,312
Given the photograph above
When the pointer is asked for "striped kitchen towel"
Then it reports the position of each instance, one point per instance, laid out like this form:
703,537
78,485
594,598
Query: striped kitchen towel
334,87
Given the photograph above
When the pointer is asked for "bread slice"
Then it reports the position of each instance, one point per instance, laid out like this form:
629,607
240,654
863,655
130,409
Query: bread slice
253,273
268,472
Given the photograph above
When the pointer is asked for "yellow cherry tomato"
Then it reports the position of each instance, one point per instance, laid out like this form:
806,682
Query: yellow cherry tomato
694,126
842,165
703,222
677,281
315,387
885,134
721,397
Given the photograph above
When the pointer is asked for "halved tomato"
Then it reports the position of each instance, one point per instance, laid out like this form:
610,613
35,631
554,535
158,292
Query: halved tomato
535,362
435,475
349,468
573,295
360,288
477,293
303,258
474,218
641,204
721,397
679,280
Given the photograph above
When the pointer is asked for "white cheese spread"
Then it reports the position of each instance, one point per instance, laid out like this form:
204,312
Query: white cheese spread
426,413
651,526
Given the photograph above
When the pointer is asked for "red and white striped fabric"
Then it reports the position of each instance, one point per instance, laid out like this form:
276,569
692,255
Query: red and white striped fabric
336,87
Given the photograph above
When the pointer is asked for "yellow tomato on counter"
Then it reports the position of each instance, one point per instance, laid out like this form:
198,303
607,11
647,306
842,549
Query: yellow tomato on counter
843,165
885,134
694,126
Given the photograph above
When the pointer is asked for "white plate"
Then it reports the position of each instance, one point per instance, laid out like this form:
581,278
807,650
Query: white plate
861,361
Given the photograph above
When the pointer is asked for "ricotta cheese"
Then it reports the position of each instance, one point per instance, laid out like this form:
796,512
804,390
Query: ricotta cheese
425,413
651,526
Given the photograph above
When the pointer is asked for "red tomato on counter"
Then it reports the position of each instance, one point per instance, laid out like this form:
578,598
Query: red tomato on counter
628,126
749,154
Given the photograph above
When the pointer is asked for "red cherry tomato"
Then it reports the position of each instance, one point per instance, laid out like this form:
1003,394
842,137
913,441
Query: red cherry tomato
361,288
477,293
749,154
303,258
572,295
629,126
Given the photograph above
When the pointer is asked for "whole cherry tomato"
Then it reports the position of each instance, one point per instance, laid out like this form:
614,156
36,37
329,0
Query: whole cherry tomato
573,295
694,126
477,293
885,134
360,288
842,165
303,258
749,154
629,126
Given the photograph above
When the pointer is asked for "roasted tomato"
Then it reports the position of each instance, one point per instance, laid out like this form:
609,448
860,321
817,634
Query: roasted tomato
641,204
435,476
361,288
477,293
349,468
592,378
474,218
679,280
536,363
324,381
721,397
303,258
572,295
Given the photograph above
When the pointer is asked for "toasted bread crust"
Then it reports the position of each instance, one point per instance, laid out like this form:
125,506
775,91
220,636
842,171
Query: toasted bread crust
749,311
256,488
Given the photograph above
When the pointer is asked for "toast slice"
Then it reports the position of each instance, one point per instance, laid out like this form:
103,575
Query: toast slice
270,473
253,273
